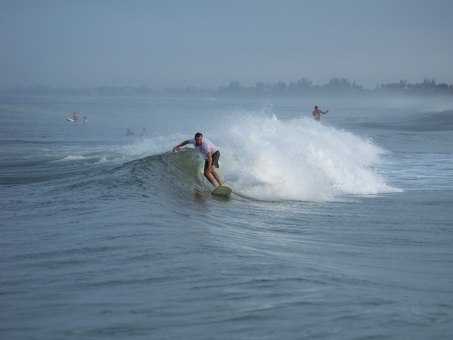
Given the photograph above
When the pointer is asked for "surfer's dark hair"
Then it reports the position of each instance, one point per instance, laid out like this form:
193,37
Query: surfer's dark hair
198,134
316,107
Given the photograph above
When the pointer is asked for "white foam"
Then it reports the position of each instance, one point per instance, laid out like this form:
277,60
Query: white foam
73,158
269,159
103,159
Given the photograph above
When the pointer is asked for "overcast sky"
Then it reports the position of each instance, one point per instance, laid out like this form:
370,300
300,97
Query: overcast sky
208,43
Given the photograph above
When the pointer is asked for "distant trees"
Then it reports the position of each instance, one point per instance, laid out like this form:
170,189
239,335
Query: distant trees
300,88
427,87
341,85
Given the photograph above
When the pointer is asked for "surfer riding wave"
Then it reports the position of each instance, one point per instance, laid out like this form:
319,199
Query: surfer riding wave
209,152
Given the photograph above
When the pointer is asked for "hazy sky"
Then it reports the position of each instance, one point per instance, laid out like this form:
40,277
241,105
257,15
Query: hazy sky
208,43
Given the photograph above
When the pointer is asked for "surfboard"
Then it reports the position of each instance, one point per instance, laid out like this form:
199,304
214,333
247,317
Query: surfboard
222,190
69,119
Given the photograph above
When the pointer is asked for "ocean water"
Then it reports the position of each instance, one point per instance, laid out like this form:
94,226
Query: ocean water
338,229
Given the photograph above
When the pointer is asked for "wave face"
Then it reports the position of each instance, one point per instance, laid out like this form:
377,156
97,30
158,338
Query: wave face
420,122
437,121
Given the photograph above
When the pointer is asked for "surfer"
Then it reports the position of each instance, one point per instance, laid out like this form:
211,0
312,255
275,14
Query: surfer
75,116
317,113
209,152
129,132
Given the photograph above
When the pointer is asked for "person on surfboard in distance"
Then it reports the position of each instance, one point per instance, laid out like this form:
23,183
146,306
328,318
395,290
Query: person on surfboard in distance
209,152
317,113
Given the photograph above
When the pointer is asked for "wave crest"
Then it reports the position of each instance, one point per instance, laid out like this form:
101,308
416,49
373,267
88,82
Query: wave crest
266,158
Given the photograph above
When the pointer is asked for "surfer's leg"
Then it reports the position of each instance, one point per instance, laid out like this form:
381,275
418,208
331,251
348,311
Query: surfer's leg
207,174
216,176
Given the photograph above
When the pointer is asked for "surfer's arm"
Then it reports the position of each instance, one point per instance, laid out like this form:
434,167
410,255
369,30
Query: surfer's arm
209,160
181,144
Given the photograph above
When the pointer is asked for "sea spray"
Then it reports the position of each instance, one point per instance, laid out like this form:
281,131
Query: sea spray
269,159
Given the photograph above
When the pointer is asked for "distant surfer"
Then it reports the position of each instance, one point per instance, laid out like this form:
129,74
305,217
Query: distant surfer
75,116
209,152
129,132
317,113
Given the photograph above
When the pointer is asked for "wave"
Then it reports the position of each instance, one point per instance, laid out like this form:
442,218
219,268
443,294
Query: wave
438,121
425,122
264,158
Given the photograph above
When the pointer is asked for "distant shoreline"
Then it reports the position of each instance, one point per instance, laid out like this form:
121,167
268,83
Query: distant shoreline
293,89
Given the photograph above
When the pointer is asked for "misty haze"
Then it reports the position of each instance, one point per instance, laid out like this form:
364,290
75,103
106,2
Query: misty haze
329,124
